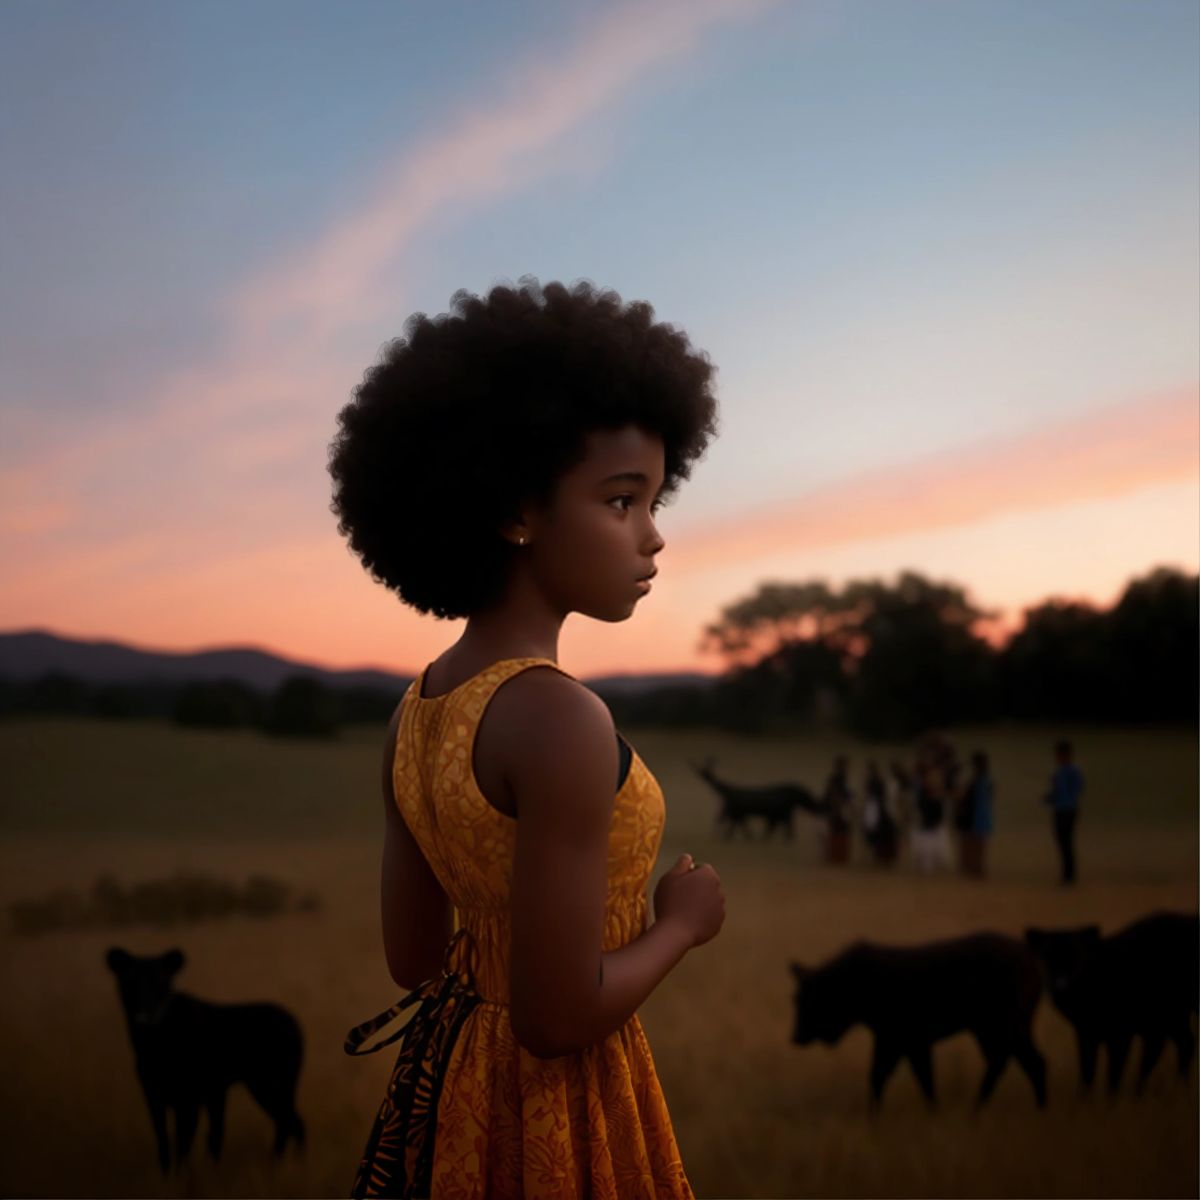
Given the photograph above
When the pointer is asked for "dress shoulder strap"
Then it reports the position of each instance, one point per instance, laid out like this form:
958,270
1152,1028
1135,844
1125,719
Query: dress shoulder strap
491,677
517,665
473,696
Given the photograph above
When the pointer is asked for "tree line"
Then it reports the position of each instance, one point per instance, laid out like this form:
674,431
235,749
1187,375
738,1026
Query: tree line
300,706
890,660
876,659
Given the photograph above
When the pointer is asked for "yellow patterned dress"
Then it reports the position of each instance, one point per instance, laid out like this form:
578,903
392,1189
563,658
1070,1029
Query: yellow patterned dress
593,1123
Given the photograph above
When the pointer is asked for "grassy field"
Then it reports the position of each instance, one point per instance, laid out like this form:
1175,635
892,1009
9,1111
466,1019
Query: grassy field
755,1115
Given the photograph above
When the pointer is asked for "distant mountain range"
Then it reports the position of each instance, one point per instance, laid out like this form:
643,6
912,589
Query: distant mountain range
28,654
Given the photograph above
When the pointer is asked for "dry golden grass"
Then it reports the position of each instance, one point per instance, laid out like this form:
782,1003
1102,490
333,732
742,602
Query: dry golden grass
755,1115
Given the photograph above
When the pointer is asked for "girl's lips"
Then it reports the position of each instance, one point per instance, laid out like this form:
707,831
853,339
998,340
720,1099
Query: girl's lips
644,584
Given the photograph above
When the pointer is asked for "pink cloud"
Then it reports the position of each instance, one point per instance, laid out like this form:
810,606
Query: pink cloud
1102,453
483,153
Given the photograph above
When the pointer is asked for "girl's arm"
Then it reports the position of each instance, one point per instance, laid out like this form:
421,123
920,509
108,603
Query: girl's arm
566,993
416,912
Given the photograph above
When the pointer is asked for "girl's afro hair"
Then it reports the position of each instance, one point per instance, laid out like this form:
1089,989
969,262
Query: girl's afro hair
479,410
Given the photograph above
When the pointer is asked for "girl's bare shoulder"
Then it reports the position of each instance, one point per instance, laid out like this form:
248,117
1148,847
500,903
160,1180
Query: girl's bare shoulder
545,727
542,698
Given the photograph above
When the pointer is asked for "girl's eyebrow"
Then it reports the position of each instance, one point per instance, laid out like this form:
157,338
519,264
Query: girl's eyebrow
632,476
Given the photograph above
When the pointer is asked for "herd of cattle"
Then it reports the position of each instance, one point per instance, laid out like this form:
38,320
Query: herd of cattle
1142,981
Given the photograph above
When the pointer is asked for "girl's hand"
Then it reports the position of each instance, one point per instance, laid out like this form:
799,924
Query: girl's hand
692,897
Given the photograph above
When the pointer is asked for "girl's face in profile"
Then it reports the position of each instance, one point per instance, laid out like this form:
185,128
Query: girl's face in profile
588,549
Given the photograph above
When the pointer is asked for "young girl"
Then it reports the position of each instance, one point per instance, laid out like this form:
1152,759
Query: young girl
504,463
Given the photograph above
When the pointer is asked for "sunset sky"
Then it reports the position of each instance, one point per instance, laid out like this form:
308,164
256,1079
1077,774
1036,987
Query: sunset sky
944,255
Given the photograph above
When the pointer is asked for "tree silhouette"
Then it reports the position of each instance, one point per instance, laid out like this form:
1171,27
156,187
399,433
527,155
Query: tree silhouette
1056,665
1154,644
896,657
916,661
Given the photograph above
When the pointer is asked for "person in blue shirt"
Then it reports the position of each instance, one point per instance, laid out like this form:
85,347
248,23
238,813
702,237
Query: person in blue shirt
1066,786
980,795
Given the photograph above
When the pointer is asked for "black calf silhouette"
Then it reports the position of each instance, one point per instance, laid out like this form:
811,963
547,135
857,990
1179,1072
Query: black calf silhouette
913,996
188,1051
1140,981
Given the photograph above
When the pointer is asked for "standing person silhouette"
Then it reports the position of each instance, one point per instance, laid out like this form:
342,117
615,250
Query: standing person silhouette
904,790
929,839
504,463
839,802
879,825
981,792
936,787
1066,786
963,808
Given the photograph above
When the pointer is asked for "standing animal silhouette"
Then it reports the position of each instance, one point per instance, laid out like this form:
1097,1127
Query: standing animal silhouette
188,1051
1139,981
912,996
772,801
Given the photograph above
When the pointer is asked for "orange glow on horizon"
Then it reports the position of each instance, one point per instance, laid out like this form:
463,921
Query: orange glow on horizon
1072,509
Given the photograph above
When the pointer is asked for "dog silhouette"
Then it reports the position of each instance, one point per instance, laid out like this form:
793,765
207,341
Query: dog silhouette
188,1051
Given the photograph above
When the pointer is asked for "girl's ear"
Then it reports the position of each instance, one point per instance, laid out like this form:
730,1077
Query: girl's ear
520,522
513,530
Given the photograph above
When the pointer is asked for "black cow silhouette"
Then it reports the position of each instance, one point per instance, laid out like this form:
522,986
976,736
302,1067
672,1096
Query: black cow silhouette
772,801
1140,981
188,1051
912,996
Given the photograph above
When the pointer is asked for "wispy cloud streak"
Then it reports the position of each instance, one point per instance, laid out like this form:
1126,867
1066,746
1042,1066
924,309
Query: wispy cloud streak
484,153
1101,453
278,370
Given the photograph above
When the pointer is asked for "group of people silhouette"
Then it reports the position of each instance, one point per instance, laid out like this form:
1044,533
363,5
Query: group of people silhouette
936,803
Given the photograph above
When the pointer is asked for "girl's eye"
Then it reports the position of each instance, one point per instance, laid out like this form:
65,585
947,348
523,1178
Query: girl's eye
654,505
